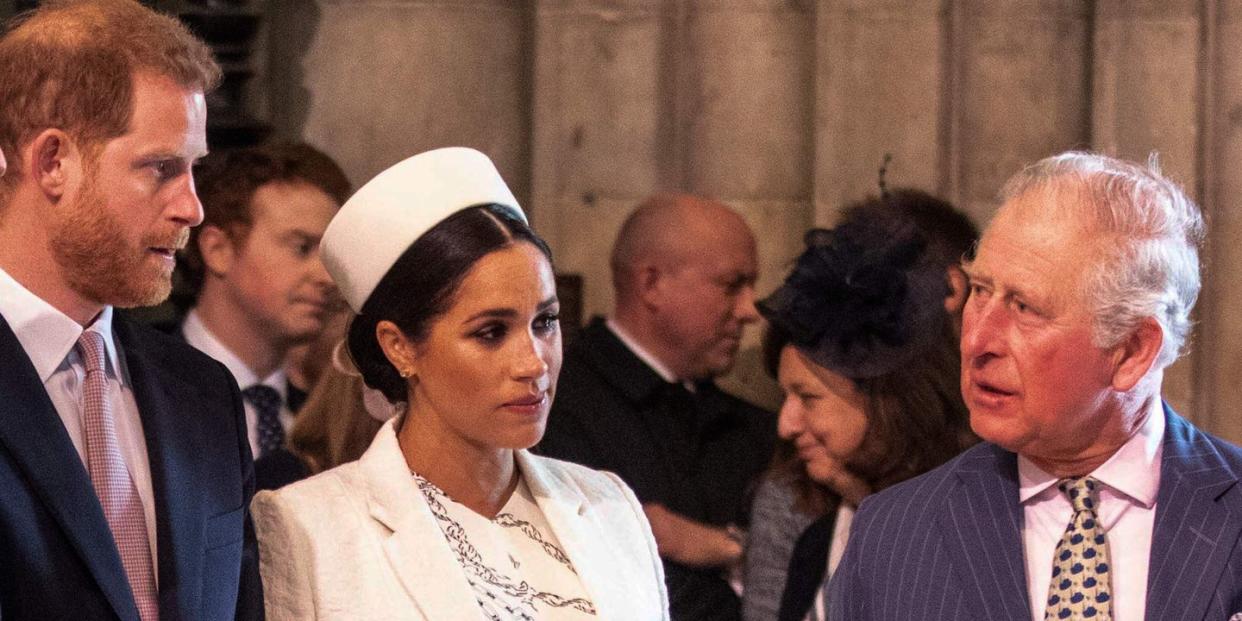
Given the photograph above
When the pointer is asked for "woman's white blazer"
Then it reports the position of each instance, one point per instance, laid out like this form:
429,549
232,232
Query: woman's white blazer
358,542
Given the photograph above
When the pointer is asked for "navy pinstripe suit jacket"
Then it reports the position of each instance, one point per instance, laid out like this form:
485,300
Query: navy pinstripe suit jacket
948,544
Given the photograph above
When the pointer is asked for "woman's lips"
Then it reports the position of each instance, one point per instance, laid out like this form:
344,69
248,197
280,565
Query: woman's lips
531,404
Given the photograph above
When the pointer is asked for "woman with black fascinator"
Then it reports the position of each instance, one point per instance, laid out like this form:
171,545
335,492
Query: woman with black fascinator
447,515
862,343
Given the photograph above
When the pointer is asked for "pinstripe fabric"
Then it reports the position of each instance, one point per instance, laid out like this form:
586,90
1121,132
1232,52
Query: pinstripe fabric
947,545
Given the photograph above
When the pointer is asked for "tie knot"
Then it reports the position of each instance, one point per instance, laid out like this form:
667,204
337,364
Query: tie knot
91,345
1083,493
263,398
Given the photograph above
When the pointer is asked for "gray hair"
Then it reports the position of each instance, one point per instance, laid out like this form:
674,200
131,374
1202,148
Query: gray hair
1149,256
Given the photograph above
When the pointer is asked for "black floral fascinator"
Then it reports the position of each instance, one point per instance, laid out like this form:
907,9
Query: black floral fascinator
863,298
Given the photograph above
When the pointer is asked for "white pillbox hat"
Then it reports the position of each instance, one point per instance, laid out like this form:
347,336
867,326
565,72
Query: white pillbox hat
388,214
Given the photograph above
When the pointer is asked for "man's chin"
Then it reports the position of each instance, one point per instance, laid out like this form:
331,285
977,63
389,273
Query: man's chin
130,296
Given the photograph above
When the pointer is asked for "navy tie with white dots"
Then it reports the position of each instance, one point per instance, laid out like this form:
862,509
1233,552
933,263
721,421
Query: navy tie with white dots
266,402
1080,567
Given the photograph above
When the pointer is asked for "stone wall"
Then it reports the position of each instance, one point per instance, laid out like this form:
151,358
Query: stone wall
783,108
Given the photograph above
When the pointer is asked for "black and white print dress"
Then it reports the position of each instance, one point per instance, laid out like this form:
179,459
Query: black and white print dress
513,562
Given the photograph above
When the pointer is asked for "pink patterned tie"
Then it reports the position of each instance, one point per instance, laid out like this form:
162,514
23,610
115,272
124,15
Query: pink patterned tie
121,505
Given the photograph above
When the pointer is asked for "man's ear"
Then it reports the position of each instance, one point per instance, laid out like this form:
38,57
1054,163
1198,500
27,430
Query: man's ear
56,162
956,299
1135,355
649,283
216,248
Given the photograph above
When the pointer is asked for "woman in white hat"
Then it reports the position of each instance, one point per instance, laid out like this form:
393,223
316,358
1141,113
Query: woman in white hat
447,516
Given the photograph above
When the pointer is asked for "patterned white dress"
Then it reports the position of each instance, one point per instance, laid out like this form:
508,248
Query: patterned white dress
513,562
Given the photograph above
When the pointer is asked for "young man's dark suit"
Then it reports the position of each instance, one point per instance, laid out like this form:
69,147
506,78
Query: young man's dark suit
697,455
57,559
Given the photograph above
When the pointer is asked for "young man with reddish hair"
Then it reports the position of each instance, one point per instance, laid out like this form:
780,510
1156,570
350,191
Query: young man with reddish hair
124,465
262,289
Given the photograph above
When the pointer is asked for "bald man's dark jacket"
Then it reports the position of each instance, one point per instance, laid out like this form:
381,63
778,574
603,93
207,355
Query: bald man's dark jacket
699,455
57,555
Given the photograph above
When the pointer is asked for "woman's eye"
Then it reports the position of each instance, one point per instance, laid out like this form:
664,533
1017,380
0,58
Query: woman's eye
547,322
490,333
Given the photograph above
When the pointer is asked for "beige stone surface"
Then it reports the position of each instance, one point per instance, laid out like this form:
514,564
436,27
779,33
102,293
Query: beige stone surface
745,83
1021,91
876,93
1218,339
383,80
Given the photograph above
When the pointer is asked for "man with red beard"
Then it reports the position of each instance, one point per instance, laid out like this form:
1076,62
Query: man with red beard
1090,497
124,465
636,394
255,262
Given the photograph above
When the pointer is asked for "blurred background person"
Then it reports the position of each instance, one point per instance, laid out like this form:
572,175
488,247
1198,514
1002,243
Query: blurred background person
254,263
446,515
865,349
306,362
338,420
950,235
638,396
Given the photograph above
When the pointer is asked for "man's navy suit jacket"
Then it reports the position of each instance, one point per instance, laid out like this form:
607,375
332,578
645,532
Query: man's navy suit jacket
948,544
57,556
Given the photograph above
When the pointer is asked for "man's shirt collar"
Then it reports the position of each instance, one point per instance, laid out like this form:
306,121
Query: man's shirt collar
197,334
642,354
48,335
1134,470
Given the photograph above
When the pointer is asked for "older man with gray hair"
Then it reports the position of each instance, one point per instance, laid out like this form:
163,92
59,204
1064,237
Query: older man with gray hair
1091,498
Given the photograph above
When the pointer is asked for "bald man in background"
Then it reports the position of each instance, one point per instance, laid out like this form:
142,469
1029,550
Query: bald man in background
636,393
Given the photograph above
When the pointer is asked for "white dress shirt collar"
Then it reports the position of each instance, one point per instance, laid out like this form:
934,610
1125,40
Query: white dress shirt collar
1134,470
48,335
644,355
197,334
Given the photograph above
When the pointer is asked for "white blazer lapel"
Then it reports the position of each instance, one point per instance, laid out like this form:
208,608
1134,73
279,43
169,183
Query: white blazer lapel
416,548
581,538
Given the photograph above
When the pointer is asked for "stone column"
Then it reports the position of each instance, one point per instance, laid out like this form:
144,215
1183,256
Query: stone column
1218,338
1020,91
374,81
881,86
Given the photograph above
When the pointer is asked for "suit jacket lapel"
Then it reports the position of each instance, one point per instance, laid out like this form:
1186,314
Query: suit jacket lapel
565,508
982,518
35,436
168,407
416,549
1196,527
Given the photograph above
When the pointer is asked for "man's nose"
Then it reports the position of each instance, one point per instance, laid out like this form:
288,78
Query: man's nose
745,310
983,324
185,206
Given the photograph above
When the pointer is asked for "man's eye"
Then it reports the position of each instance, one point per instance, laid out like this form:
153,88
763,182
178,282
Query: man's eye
166,169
